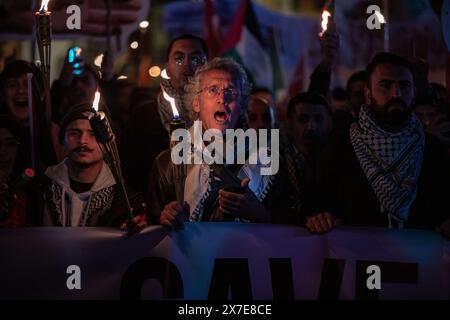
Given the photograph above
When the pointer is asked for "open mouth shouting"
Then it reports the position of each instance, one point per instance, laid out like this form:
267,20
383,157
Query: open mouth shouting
21,102
221,117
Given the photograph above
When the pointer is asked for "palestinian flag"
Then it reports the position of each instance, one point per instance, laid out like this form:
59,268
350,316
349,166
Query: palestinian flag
212,34
244,44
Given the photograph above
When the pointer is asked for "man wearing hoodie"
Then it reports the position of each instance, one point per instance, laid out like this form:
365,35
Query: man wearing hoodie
81,190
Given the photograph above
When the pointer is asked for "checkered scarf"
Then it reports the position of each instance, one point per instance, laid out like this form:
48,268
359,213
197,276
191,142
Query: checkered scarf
390,161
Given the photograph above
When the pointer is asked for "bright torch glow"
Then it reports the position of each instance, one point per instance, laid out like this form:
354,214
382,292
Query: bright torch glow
164,74
98,60
172,104
44,5
380,17
96,101
325,15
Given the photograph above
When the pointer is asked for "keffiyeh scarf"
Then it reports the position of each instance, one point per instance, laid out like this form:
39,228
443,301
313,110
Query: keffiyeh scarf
390,161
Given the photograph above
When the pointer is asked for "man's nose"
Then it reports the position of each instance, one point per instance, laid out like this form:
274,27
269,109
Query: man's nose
311,125
84,138
395,91
23,87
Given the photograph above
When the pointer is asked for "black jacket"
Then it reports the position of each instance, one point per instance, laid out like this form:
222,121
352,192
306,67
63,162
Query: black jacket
342,187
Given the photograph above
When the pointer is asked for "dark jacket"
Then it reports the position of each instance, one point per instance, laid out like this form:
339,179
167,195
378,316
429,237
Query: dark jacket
344,190
162,189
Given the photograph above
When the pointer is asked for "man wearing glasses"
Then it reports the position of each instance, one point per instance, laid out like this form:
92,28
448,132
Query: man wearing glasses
212,191
184,55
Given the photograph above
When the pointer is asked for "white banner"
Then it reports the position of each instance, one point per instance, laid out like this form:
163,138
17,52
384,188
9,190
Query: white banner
221,261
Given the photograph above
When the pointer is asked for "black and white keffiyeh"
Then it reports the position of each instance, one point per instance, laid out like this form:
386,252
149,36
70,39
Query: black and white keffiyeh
390,161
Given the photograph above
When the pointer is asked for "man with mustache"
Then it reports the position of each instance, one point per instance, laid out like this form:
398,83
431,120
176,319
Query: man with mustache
384,172
81,190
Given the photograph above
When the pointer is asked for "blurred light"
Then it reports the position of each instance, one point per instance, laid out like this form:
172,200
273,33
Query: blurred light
122,77
98,60
154,71
144,24
134,45
164,74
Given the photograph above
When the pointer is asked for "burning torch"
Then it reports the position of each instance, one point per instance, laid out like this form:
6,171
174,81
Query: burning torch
44,41
107,141
327,16
176,123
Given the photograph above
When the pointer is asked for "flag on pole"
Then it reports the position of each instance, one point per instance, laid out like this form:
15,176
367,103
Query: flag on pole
245,44
213,36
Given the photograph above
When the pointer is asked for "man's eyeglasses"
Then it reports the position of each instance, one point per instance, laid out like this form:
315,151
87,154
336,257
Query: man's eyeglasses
196,60
214,91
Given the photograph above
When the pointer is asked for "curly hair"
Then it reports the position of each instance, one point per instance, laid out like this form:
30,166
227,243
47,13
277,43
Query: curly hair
238,76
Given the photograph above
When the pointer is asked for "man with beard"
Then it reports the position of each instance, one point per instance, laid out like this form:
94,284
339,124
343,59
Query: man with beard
384,172
81,190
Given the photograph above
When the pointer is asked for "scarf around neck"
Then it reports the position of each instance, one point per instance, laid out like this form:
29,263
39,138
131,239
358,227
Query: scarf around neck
390,161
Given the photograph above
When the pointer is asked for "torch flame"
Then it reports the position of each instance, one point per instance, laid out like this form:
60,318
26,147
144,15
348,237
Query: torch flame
164,74
380,17
44,5
172,104
96,100
325,15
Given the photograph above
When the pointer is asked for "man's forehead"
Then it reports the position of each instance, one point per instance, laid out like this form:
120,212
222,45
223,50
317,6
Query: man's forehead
82,124
22,76
187,46
310,108
391,72
217,76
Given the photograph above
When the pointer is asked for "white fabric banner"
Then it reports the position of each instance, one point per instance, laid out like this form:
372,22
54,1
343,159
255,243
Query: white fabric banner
223,260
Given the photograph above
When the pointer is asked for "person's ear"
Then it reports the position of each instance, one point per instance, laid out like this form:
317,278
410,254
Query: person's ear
196,104
367,95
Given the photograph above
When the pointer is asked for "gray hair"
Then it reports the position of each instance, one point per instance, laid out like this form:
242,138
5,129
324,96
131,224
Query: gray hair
238,76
